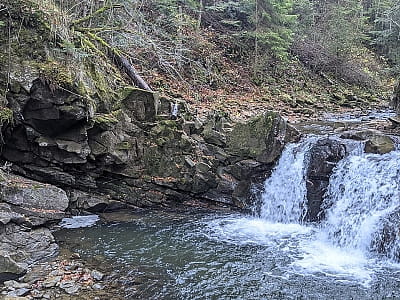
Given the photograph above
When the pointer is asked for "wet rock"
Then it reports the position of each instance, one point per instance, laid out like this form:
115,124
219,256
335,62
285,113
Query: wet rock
375,141
379,145
386,239
324,155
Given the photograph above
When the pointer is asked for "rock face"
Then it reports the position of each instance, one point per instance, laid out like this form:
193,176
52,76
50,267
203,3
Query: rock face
324,155
131,156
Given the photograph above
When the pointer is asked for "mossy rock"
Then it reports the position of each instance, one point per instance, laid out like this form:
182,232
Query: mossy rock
249,139
140,105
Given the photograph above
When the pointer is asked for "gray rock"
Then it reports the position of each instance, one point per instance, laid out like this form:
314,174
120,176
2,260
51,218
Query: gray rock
70,287
27,246
376,141
19,292
52,281
32,194
97,275
12,284
324,156
9,268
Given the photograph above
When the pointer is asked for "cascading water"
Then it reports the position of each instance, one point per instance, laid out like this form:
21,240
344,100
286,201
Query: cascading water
363,190
284,198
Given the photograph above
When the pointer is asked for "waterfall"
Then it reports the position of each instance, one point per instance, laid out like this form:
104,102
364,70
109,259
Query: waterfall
284,198
362,202
362,193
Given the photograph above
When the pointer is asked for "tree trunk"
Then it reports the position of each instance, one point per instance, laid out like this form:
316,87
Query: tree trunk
131,72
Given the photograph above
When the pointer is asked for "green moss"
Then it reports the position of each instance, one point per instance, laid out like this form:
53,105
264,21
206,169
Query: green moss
124,146
107,119
249,139
6,116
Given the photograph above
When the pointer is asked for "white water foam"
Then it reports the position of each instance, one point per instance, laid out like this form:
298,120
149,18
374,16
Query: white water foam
363,190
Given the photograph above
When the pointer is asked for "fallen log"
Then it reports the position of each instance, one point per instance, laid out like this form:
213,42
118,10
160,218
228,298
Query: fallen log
131,72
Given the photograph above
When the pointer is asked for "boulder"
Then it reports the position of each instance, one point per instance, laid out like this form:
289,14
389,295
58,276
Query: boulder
375,141
9,269
27,193
262,138
27,246
323,157
140,105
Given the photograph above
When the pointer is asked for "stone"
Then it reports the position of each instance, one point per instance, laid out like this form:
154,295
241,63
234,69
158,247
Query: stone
32,194
376,141
9,268
141,105
97,275
15,298
7,215
385,240
88,201
52,281
324,155
12,284
19,292
261,138
36,273
379,145
70,287
214,137
27,246
98,286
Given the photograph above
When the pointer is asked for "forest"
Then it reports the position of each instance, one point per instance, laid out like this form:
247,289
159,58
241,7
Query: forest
300,55
199,149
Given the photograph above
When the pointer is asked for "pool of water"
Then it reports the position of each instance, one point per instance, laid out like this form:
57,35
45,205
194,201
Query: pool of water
203,255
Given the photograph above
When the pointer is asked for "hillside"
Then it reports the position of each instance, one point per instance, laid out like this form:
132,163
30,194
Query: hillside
186,52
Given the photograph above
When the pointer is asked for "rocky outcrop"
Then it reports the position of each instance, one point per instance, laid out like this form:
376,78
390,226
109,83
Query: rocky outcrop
135,156
323,157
